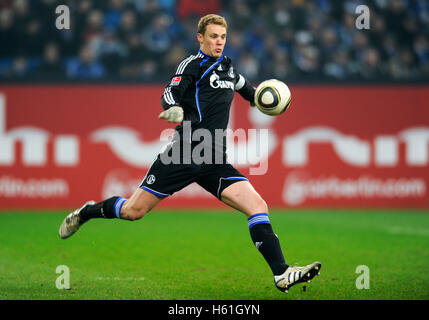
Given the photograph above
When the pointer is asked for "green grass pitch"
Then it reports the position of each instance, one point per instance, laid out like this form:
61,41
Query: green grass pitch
208,255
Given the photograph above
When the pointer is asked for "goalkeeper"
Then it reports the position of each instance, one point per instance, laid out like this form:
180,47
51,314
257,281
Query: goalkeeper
199,96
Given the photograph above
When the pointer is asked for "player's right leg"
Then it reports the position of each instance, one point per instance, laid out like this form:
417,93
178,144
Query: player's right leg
134,208
242,196
295,274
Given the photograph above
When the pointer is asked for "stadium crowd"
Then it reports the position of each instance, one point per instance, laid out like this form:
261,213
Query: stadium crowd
145,39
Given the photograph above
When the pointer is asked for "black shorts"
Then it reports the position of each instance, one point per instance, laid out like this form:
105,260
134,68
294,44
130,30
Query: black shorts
163,180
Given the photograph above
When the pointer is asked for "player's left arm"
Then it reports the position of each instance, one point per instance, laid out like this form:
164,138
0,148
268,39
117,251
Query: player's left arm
245,89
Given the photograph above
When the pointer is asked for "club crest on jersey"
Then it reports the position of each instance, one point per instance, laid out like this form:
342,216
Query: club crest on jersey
215,82
175,81
231,72
150,179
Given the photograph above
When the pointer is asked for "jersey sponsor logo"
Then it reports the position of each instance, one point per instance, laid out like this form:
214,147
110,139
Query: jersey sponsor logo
216,83
175,81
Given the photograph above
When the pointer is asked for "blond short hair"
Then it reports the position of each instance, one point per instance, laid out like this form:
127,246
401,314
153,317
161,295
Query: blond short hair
211,19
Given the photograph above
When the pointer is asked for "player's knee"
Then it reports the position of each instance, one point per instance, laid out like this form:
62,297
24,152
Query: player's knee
261,206
258,206
132,212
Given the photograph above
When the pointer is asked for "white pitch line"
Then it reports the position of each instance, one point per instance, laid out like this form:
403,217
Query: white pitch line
408,231
119,279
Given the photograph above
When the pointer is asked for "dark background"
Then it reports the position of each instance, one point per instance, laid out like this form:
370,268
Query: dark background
142,41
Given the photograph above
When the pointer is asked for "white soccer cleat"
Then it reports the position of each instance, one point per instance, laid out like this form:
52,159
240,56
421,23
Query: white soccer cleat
72,222
294,275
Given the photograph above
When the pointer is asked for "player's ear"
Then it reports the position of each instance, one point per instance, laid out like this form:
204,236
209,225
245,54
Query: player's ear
200,38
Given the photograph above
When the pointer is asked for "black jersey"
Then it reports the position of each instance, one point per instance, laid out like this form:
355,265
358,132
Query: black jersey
204,87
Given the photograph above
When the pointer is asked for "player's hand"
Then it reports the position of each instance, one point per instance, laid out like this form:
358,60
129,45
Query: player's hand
173,114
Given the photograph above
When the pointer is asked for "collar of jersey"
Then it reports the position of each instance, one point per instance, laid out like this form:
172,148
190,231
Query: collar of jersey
209,58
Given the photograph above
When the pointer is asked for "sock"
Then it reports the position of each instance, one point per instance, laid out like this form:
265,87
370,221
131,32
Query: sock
267,243
108,209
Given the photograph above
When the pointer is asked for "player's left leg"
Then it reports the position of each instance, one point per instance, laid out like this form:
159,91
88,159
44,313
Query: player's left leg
160,181
243,197
134,208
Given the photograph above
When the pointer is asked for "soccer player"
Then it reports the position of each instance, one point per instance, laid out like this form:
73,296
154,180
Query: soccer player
199,97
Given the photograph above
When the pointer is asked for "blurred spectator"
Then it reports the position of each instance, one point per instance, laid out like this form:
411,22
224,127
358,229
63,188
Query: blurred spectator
338,66
328,42
134,57
33,39
21,14
307,59
281,17
306,56
239,15
254,36
111,52
248,65
347,29
168,5
315,25
20,68
94,26
136,52
173,58
148,70
113,14
235,45
360,44
128,25
378,30
421,48
389,47
156,38
279,67
402,66
145,39
188,35
7,34
395,17
369,66
51,65
85,66
148,10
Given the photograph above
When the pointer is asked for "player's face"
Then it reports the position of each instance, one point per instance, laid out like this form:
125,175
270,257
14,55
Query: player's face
213,41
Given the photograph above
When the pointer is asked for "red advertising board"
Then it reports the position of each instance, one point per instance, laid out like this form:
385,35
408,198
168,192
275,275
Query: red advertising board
337,146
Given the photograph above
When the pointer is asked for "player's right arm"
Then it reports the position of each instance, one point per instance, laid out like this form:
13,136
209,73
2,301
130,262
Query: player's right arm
186,74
